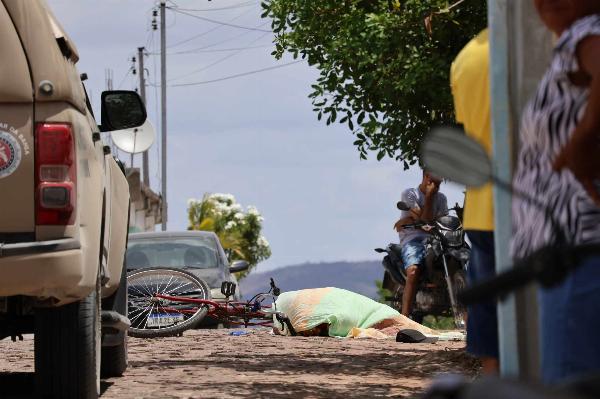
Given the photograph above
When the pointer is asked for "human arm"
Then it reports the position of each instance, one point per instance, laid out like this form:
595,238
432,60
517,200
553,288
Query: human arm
413,214
427,214
580,154
411,218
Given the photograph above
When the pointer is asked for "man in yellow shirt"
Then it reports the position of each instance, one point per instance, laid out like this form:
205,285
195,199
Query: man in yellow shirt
469,78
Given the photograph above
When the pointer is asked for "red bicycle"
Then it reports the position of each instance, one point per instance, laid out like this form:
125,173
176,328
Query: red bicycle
166,301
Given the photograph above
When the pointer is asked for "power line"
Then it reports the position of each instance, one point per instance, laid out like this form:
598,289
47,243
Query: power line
220,60
237,75
219,22
219,50
125,77
231,7
208,31
215,43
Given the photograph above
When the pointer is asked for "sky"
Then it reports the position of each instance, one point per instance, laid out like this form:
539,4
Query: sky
255,137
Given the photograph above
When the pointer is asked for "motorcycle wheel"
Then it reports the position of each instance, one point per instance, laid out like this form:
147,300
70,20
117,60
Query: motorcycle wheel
459,283
397,297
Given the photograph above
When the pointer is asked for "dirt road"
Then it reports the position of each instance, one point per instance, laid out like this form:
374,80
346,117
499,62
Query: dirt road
214,364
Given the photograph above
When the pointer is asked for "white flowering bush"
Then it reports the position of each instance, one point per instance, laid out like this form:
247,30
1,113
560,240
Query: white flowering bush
239,230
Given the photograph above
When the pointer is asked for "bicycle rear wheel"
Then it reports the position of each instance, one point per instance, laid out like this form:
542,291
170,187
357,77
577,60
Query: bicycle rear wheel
156,317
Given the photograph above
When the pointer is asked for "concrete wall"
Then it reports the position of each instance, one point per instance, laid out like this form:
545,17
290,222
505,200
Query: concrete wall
530,46
521,48
145,204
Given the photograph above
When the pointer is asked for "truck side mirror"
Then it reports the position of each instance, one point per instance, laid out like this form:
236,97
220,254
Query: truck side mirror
121,109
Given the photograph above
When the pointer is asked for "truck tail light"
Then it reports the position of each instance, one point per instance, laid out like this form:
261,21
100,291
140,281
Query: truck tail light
55,174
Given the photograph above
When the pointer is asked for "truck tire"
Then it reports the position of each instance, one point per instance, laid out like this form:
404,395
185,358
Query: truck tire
67,349
114,358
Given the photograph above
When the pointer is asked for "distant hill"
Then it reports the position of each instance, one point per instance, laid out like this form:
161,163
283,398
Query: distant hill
358,277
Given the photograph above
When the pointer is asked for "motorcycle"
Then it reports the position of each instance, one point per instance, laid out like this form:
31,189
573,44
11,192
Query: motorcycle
446,260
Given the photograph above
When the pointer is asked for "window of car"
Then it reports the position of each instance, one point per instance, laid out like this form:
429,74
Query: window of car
181,252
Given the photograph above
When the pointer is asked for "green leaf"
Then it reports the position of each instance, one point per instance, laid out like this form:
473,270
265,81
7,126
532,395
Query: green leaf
361,117
240,236
377,61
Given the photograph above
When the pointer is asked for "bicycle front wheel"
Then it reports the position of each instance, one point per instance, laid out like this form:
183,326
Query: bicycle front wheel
151,316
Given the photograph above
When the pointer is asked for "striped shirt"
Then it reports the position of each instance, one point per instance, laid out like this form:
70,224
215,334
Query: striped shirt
547,125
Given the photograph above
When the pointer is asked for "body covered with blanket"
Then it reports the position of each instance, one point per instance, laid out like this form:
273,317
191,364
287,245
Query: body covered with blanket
341,313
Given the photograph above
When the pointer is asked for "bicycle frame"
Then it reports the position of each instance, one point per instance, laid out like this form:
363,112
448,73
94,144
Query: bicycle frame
225,311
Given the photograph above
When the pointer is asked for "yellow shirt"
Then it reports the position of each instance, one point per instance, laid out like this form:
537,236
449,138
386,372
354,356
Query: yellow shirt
469,78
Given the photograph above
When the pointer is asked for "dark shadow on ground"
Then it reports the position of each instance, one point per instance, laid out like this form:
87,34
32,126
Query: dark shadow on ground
397,364
21,385
303,390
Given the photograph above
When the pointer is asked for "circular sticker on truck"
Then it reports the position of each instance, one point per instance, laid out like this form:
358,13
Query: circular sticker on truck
10,154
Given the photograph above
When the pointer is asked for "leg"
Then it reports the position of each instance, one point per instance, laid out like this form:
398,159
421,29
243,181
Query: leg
413,256
410,290
482,324
570,325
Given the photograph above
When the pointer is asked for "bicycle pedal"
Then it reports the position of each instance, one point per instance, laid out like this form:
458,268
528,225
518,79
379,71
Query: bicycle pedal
228,288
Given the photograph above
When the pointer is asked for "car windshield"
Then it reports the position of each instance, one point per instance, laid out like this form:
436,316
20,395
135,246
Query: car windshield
181,252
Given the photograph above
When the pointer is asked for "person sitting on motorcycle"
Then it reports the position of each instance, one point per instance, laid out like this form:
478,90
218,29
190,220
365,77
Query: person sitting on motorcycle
426,204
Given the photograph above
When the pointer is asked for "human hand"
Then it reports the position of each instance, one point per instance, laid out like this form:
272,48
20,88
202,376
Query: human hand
431,189
581,157
398,226
415,212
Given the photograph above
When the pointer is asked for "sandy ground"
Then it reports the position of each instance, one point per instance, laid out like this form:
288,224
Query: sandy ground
214,364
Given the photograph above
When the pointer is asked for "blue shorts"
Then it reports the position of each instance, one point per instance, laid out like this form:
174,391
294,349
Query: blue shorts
413,252
482,321
569,324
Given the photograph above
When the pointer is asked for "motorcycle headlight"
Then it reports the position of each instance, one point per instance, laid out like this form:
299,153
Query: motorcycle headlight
454,238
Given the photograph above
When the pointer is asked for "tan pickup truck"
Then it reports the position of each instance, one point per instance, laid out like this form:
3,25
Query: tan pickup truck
64,204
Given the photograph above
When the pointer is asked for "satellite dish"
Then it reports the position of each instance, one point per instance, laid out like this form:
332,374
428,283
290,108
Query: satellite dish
135,140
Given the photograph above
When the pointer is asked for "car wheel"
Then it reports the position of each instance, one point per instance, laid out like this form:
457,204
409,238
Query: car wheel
67,349
114,358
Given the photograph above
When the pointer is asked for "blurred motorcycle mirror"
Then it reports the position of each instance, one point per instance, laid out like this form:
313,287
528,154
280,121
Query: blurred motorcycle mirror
449,153
402,206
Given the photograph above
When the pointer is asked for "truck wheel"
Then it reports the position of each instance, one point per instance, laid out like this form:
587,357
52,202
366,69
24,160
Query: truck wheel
114,358
67,349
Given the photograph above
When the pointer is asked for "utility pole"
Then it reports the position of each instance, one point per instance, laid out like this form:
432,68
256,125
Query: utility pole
520,49
145,167
163,119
